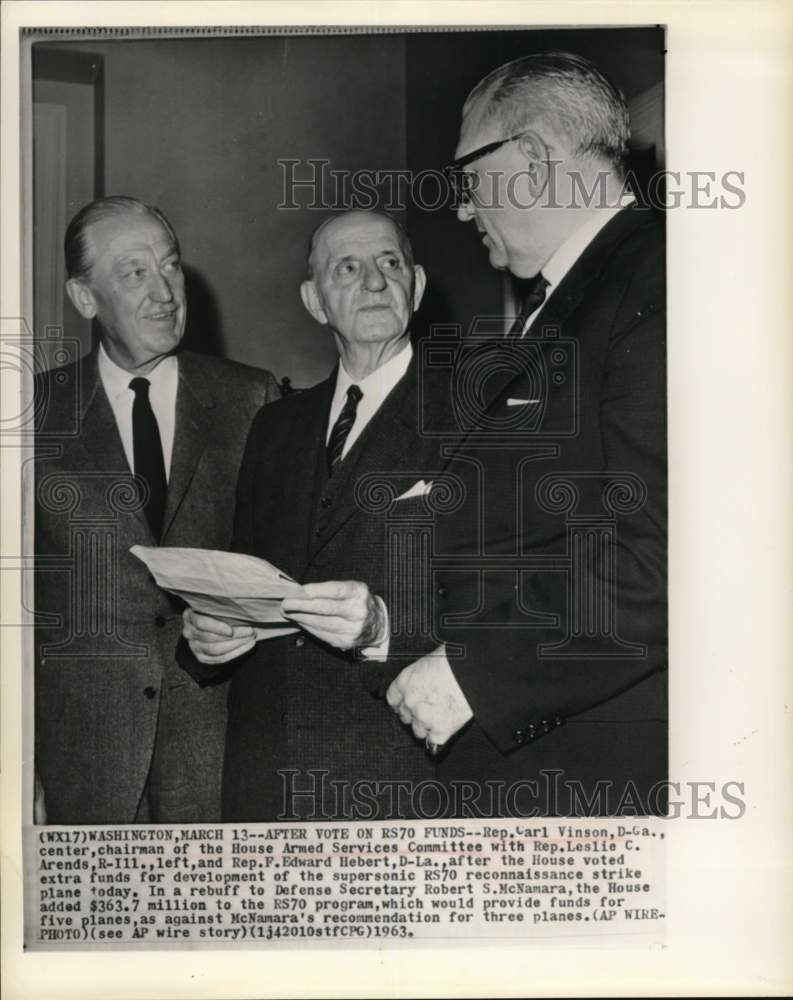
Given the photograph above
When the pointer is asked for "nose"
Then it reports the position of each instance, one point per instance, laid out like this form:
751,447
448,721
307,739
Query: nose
373,279
465,210
159,288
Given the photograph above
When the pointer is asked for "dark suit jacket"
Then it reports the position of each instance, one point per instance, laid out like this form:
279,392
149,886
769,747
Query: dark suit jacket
106,633
295,704
545,694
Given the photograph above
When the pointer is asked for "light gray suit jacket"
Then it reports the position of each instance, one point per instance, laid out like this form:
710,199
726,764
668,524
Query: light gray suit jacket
106,633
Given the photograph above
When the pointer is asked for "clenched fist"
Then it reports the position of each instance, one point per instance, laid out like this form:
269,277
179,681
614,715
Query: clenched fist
427,698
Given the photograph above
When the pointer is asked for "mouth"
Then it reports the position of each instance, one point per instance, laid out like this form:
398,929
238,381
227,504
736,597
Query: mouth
164,316
375,308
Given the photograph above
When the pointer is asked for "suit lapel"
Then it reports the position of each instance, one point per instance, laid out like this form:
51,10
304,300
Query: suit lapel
576,283
193,421
99,435
302,471
564,299
387,444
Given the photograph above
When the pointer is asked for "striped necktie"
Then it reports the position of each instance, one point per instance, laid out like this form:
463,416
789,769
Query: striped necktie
342,428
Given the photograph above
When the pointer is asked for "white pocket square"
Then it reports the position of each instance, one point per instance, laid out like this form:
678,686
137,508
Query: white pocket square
520,402
419,489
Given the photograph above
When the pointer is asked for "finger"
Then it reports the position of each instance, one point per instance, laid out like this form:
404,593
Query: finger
199,635
334,589
416,697
424,714
405,714
419,731
394,694
205,623
347,607
317,624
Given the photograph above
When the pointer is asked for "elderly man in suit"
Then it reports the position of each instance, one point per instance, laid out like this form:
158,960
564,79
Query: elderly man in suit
137,444
554,656
306,737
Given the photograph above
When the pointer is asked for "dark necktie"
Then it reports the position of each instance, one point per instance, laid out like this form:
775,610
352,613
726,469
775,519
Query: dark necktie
147,454
342,428
534,298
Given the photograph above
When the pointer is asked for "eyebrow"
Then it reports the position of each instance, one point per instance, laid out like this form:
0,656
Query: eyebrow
351,256
136,256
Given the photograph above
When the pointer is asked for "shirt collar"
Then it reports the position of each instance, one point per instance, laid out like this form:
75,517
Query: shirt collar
572,248
381,381
116,379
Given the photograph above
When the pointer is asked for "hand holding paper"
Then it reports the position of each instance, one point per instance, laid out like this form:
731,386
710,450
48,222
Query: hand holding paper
213,640
342,613
225,586
236,600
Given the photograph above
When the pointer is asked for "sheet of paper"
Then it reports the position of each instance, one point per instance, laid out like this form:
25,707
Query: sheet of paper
238,588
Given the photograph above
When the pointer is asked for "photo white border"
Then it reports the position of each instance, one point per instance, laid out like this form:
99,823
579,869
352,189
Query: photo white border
730,905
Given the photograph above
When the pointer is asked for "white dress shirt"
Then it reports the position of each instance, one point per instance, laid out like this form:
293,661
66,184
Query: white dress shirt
375,388
572,248
164,381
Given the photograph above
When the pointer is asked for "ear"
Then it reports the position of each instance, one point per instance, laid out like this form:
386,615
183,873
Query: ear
311,300
82,297
419,284
536,154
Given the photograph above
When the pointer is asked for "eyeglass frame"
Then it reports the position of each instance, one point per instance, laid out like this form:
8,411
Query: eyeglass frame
456,166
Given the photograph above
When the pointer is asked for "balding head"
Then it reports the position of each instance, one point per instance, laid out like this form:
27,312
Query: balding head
364,285
345,218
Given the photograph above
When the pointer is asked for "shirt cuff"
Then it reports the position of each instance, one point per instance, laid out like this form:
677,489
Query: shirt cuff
379,650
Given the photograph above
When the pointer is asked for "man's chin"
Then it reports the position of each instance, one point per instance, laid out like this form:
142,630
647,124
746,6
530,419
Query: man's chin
523,267
498,259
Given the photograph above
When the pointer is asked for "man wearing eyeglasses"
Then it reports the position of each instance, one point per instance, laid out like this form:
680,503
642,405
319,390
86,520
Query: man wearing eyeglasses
554,656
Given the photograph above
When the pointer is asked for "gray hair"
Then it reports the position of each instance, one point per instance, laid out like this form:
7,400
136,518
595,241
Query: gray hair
565,92
76,246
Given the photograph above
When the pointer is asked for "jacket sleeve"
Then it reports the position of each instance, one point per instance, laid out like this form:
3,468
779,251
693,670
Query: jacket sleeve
517,689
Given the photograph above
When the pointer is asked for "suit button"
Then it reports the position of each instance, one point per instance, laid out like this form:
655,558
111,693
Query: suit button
150,692
545,726
300,642
442,591
325,502
517,736
159,621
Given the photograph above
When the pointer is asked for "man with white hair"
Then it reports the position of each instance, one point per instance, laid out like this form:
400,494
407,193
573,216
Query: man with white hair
306,738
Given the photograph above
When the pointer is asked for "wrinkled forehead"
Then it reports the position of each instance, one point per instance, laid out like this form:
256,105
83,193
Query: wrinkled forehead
357,236
116,237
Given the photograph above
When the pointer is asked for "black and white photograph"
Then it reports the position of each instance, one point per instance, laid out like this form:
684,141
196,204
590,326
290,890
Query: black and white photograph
403,338
347,439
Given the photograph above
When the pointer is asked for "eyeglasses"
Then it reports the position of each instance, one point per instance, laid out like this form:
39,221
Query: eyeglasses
461,181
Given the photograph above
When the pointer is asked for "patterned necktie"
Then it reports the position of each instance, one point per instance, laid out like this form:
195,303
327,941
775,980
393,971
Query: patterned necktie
342,428
535,296
147,454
